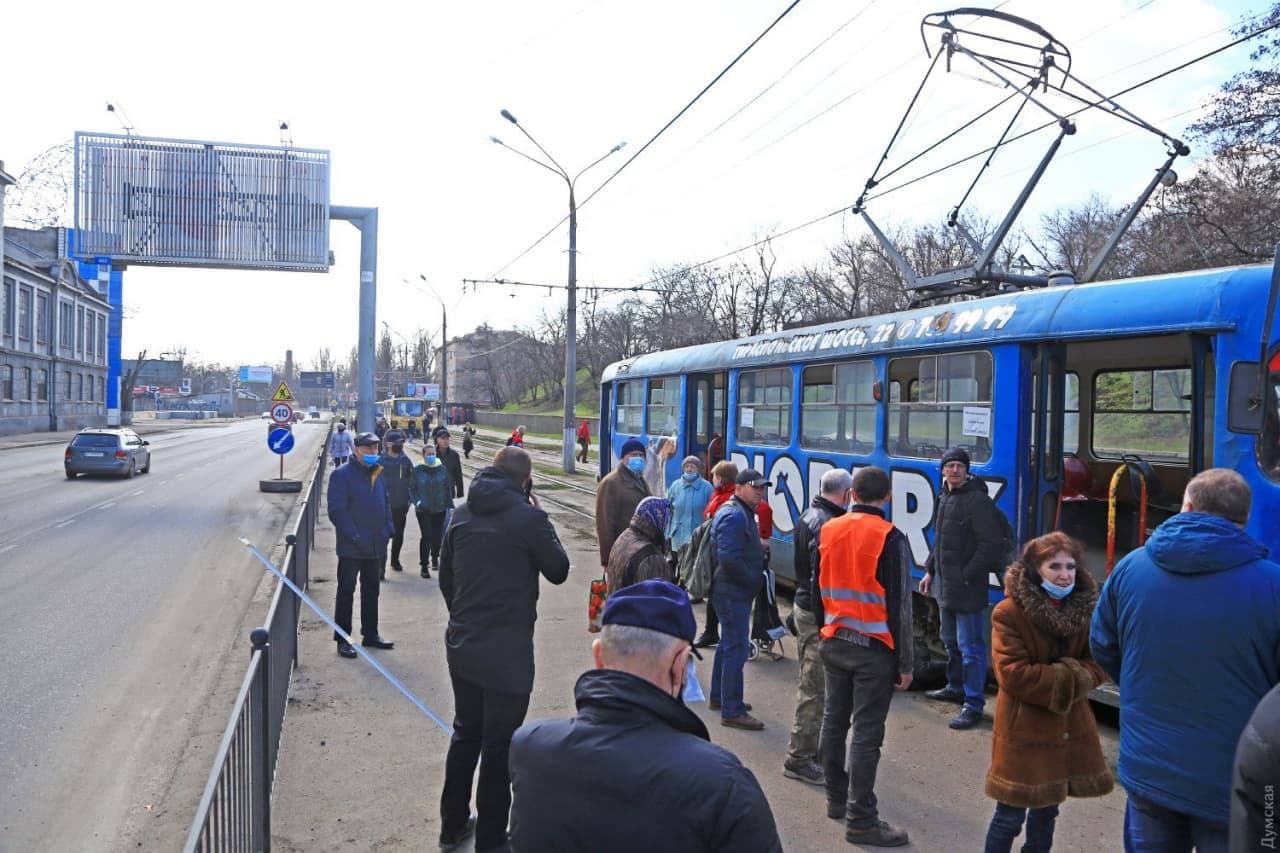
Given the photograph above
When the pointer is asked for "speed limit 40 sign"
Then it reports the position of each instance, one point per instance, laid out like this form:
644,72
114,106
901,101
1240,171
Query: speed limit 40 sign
281,413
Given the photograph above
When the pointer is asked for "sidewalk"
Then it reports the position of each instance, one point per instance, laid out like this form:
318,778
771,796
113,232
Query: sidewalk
144,428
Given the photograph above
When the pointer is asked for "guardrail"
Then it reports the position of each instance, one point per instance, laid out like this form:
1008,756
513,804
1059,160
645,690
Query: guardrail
235,811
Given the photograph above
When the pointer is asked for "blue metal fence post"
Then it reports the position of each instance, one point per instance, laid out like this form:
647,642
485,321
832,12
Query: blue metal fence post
260,639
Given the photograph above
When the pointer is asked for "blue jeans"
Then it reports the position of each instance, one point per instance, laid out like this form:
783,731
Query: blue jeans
731,654
1149,828
966,655
1006,823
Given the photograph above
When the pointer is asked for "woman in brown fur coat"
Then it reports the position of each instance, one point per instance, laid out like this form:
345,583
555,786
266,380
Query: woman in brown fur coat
1046,745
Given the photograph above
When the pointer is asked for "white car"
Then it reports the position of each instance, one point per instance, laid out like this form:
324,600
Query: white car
266,416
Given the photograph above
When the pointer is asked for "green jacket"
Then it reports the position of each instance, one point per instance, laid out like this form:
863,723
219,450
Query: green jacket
430,489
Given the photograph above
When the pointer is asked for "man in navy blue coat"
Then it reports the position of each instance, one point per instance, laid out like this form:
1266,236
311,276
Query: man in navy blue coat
1189,628
361,519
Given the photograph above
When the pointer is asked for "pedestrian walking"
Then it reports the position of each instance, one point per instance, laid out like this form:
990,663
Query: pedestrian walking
449,457
584,440
635,770
1188,627
619,493
1256,776
639,552
738,577
689,497
724,477
498,545
397,473
806,611
468,439
863,578
381,428
967,547
341,447
431,491
361,517
1046,745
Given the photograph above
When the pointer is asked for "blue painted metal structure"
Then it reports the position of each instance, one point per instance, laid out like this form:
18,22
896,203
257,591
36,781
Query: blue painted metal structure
1224,306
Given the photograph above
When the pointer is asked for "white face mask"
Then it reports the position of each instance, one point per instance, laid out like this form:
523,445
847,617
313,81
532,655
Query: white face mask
692,690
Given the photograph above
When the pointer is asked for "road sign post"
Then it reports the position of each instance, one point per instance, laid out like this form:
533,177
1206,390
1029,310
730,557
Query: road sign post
281,440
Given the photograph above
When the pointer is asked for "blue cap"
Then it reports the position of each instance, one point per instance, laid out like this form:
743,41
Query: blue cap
631,445
654,604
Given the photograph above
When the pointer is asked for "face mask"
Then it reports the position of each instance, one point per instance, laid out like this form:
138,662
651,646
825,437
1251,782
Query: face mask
690,477
636,464
1056,591
431,460
692,690
370,459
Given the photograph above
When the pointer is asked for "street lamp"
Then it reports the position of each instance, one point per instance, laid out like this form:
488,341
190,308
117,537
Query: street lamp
571,315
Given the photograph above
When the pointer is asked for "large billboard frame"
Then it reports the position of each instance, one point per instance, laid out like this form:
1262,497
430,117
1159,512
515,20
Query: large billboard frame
160,201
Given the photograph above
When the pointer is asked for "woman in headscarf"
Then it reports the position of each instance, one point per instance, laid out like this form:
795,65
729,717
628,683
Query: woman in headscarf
639,553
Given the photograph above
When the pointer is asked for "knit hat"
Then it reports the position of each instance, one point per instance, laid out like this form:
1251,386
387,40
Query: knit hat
694,459
631,445
656,511
956,454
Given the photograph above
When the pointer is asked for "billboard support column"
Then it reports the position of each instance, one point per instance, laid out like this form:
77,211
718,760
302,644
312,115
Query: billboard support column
115,326
365,219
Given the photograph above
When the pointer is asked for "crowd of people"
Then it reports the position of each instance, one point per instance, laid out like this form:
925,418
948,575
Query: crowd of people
1187,626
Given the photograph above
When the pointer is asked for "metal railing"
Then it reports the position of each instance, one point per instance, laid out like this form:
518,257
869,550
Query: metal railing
235,811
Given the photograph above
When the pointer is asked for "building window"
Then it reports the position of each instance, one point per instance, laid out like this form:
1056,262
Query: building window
947,404
838,407
6,382
1142,412
80,331
102,388
24,313
102,337
42,318
6,308
89,328
66,327
89,390
42,385
24,384
764,407
664,406
630,417
66,391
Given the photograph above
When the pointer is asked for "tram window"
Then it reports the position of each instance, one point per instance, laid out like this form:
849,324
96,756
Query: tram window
664,403
630,417
938,390
837,409
764,406
1070,414
717,406
1142,412
1269,440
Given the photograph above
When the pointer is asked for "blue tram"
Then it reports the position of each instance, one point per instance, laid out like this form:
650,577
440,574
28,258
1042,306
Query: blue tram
1050,391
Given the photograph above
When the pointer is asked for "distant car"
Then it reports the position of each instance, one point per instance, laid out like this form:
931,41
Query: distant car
107,451
266,416
299,417
314,413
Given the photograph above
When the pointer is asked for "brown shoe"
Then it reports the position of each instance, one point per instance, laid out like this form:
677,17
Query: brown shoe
742,721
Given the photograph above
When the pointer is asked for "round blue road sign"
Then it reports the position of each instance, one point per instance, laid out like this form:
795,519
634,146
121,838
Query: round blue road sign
280,440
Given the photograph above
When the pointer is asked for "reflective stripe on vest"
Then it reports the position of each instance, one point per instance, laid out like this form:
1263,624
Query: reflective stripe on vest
852,597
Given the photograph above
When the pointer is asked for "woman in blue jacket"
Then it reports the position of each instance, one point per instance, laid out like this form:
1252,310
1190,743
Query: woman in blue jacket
431,491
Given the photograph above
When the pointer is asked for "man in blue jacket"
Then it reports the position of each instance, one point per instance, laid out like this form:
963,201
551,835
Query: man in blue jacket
1189,629
738,577
361,519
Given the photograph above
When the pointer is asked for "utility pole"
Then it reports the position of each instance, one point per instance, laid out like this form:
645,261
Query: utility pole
444,357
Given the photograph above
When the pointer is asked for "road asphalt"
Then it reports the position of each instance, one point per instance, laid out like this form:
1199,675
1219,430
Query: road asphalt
362,769
124,611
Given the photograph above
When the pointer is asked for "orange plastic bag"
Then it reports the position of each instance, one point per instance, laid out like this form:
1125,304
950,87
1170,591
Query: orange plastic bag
595,604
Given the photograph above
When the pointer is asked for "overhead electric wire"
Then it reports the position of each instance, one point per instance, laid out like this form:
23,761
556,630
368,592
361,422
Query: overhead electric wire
660,132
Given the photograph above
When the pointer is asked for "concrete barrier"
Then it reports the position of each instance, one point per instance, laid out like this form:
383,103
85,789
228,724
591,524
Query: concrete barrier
533,423
175,415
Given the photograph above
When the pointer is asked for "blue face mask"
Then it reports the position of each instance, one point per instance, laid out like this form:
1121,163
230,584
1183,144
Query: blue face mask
636,464
431,459
692,691
690,476
370,459
1056,591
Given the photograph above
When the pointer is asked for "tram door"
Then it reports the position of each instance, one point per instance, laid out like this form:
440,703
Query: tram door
705,405
1044,397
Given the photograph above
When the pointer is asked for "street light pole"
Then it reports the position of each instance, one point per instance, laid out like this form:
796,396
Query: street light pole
569,450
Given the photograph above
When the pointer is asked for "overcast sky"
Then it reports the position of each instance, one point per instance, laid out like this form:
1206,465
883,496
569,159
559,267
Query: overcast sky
406,101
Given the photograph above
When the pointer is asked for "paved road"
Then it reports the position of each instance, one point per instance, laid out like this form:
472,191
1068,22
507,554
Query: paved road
121,602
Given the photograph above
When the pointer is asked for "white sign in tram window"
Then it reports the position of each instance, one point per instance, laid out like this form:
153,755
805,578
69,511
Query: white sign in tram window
977,421
748,418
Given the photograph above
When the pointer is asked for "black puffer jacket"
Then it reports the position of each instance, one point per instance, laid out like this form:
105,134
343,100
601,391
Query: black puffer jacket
806,552
968,543
634,771
1257,757
494,550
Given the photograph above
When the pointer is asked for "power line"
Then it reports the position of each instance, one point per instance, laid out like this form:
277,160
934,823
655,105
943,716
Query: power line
655,137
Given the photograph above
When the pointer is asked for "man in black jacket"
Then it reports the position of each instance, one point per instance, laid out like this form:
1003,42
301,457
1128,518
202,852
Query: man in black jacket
397,473
801,763
450,459
968,542
494,551
1256,778
635,769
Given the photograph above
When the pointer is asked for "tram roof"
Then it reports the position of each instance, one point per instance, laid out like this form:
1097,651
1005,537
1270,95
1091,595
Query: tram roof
1203,300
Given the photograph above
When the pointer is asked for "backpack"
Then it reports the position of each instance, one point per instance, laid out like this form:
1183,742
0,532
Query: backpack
1008,544
699,561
